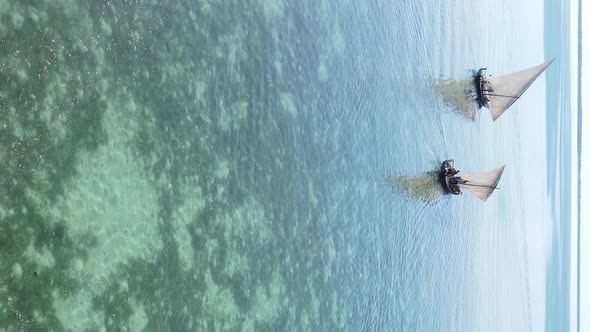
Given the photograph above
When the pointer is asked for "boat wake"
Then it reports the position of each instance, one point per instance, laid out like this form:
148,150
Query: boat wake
458,96
424,187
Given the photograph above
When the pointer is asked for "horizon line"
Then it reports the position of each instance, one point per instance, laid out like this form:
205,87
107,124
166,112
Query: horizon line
579,147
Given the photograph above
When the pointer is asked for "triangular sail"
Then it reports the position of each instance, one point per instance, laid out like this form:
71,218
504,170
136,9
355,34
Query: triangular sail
481,184
508,88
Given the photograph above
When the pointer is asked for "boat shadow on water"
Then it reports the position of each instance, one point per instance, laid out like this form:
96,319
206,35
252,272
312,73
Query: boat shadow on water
425,187
457,96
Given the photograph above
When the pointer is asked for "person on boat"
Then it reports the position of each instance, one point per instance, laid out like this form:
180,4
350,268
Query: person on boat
454,185
485,92
449,170
447,166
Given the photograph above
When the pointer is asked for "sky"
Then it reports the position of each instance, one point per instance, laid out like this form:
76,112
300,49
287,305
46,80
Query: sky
584,186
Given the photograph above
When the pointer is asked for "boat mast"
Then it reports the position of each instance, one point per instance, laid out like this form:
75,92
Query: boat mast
497,95
478,185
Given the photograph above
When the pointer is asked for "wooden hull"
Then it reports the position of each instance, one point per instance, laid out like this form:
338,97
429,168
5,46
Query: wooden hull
445,177
480,87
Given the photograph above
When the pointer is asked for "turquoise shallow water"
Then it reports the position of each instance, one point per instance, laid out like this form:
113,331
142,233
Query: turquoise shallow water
193,165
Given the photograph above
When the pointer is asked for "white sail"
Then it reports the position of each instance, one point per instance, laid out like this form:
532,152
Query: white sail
508,88
481,184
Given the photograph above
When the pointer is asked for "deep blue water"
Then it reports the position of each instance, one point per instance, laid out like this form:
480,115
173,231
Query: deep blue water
194,165
559,157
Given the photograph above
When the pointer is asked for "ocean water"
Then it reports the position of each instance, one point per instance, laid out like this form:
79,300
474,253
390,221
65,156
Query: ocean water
203,165
560,147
